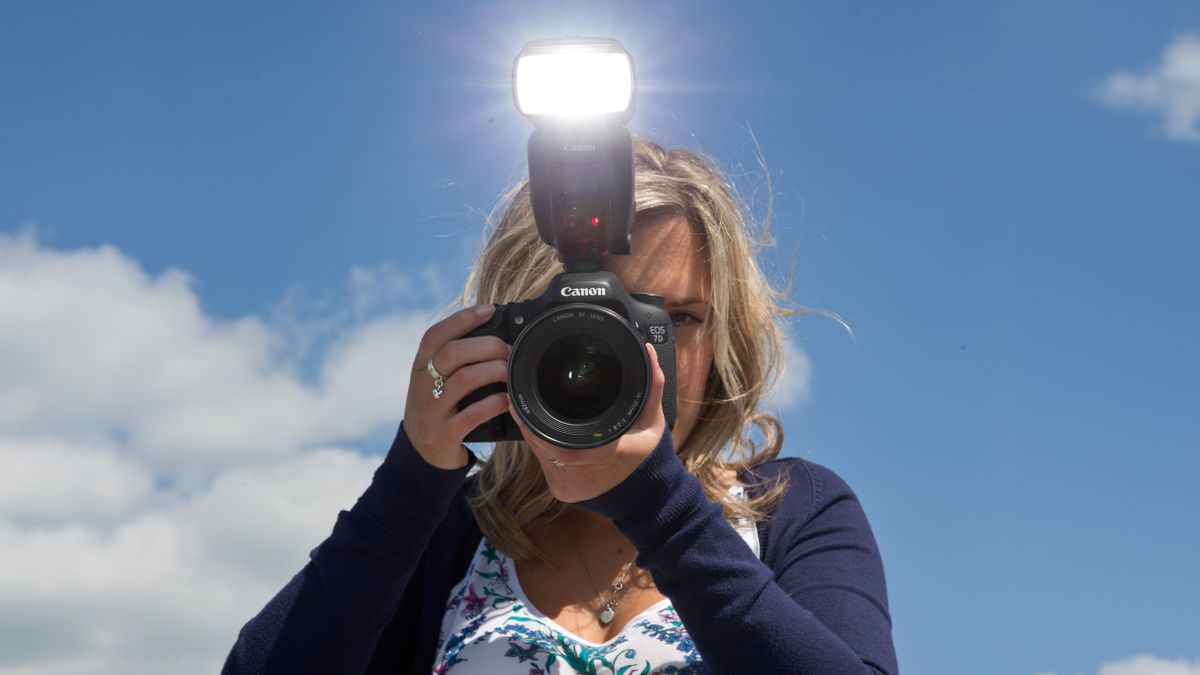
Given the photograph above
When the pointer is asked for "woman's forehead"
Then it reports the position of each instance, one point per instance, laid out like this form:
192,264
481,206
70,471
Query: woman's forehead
666,258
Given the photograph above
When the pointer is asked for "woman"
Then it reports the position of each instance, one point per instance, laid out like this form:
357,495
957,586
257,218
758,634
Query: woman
689,550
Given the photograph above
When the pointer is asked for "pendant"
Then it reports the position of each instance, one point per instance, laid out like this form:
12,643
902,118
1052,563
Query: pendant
606,615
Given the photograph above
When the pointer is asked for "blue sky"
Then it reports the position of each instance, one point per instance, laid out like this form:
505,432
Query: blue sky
244,215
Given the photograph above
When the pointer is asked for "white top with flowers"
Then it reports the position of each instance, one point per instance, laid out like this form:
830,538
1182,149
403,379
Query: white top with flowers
491,628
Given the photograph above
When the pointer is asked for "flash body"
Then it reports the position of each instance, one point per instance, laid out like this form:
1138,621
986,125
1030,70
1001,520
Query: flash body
579,375
581,191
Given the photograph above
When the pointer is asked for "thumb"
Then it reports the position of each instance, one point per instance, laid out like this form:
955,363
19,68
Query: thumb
652,414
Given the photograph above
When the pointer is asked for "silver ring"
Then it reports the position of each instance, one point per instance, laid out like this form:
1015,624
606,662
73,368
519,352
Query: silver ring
433,371
557,463
439,380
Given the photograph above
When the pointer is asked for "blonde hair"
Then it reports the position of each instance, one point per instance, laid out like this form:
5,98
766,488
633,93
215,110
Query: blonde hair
747,344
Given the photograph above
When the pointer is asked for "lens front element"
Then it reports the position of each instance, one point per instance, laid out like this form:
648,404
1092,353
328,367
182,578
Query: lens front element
579,375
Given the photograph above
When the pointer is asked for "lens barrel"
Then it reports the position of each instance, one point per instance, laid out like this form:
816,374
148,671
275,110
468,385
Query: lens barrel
579,375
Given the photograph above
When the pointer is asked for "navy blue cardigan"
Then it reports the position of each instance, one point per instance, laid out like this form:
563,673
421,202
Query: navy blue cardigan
372,597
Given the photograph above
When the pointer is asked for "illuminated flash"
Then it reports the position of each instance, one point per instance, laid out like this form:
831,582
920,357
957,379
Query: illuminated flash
574,83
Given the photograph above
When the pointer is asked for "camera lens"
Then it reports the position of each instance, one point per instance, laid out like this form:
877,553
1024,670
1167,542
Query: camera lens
579,376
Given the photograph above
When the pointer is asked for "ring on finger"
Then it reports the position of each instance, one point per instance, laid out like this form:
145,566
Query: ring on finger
433,371
439,380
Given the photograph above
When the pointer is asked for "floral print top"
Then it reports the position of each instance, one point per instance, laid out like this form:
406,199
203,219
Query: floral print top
490,627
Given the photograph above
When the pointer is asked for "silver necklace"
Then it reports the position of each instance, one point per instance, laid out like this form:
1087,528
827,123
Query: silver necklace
610,607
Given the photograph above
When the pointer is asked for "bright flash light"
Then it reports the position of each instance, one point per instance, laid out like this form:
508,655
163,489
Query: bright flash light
573,78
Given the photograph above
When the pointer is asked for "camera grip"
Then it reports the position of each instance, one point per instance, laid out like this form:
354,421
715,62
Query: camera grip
657,320
501,427
666,361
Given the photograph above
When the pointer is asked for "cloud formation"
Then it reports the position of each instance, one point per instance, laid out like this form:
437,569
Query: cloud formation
795,386
164,472
1151,665
97,348
1144,664
1170,89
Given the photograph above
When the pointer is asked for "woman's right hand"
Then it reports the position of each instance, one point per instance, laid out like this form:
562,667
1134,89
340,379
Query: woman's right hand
435,426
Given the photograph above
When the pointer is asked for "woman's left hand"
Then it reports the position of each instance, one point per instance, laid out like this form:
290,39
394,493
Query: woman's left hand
584,474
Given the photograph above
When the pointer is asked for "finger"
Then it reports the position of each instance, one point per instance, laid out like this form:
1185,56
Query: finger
526,434
652,414
477,413
541,449
565,457
471,377
439,418
454,326
464,351
546,455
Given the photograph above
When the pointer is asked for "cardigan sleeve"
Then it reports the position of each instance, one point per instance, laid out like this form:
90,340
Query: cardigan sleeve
817,603
330,616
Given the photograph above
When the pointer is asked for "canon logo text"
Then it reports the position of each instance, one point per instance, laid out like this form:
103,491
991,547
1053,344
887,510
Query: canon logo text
568,292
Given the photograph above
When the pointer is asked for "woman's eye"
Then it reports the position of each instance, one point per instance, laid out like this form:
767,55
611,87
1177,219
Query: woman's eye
683,318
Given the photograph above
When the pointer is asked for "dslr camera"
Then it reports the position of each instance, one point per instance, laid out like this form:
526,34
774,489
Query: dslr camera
579,375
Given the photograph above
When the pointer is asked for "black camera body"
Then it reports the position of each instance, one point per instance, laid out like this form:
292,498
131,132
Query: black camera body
579,374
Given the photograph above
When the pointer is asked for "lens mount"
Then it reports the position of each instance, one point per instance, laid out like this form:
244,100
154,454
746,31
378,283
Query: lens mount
579,375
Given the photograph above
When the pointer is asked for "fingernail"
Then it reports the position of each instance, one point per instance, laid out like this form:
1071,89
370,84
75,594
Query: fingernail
485,310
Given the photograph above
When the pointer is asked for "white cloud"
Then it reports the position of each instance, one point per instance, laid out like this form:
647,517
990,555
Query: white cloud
383,285
365,376
1145,664
1151,665
164,472
1170,89
795,387
47,480
92,345
173,584
259,519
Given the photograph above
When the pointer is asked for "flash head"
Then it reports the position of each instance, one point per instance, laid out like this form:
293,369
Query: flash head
579,92
574,80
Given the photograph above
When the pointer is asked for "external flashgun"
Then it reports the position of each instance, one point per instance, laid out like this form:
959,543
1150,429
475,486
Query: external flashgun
579,93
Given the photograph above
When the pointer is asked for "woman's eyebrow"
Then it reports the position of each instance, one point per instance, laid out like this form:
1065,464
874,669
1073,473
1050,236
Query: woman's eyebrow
687,301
